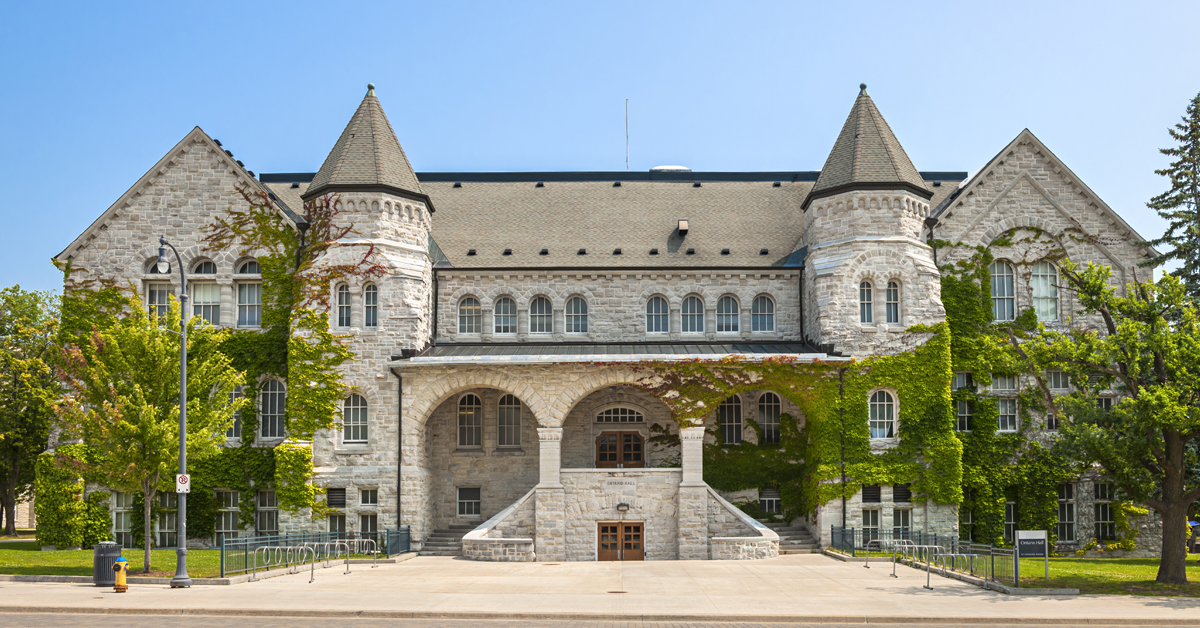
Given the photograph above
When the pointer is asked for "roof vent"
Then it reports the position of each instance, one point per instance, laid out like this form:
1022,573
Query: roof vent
724,251
540,185
691,251
616,184
670,169
654,251
508,251
683,227
295,185
470,252
458,184
544,252
581,252
776,184
937,184
616,251
695,184
762,251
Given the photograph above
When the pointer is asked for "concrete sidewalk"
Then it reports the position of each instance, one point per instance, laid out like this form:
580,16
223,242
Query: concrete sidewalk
811,588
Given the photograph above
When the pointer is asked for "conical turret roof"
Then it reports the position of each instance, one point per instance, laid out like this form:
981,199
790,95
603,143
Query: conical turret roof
867,155
366,155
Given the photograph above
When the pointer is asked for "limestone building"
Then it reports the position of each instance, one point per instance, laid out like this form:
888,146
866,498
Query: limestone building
493,387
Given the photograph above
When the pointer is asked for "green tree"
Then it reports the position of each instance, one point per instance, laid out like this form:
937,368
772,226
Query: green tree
1147,347
122,398
27,390
1180,205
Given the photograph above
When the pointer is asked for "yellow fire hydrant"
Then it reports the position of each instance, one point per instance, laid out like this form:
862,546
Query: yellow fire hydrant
121,567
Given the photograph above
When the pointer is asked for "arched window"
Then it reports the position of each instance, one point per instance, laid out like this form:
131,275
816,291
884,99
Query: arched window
892,301
883,415
1004,300
866,312
1045,291
470,317
762,315
691,317
504,315
768,417
728,315
343,305
541,316
249,296
470,421
354,419
729,417
658,316
272,401
619,415
205,268
371,305
577,316
509,422
249,267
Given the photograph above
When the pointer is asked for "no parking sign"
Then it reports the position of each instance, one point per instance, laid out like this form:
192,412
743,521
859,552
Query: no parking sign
183,483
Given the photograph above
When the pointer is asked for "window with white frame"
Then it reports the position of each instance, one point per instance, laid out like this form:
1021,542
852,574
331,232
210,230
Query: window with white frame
158,301
619,415
1057,381
1045,291
249,267
1010,521
576,317
470,421
892,303
962,379
1006,414
966,520
768,417
227,524
541,316
266,514
205,268
166,525
882,415
123,518
272,401
728,315
964,413
866,307
235,429
249,304
368,523
658,316
901,523
729,417
870,524
368,497
768,500
470,316
354,419
504,316
1004,295
371,305
1003,383
1105,403
1066,512
508,422
343,306
468,502
337,524
1106,523
691,316
762,315
206,301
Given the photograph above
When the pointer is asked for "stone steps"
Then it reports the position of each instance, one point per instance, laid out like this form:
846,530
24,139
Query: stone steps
794,539
445,541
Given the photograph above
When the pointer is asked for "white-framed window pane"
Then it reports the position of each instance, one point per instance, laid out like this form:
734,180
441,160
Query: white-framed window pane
870,524
354,419
1045,291
272,399
368,524
369,497
964,412
729,416
509,422
728,315
227,523
470,421
468,502
541,316
1004,299
619,415
343,306
883,415
235,430
658,316
769,500
577,316
1057,380
866,313
249,268
691,316
206,301
1066,513
266,514
371,306
123,518
249,304
470,316
768,417
892,302
1010,521
901,522
962,379
205,268
337,524
762,315
1006,410
1004,382
505,316
158,298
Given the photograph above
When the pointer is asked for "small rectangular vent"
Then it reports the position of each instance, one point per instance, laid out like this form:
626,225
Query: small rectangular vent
654,251
544,252
470,252
902,492
335,497
872,494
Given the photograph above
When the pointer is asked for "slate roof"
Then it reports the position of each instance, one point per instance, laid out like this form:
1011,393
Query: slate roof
537,353
866,152
367,153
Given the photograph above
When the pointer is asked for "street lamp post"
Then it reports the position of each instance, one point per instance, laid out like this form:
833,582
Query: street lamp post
181,579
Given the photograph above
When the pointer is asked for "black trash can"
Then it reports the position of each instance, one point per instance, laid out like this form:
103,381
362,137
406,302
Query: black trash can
104,557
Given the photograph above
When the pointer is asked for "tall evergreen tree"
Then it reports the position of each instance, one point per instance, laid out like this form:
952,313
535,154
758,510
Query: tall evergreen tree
1180,205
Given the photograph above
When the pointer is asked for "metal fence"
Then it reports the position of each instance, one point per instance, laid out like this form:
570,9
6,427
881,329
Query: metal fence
241,555
997,564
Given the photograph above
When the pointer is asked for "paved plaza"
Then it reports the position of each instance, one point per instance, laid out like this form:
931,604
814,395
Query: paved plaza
792,588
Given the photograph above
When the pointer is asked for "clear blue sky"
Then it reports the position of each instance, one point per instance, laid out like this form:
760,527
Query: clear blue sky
92,94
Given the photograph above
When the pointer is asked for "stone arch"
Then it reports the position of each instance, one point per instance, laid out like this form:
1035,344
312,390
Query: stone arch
590,380
437,388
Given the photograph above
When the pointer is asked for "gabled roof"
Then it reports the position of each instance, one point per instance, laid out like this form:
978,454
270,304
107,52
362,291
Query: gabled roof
867,155
366,155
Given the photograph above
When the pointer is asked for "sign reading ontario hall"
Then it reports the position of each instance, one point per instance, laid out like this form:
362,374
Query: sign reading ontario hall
1031,543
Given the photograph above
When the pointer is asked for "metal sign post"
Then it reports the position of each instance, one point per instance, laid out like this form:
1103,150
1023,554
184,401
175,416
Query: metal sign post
1032,544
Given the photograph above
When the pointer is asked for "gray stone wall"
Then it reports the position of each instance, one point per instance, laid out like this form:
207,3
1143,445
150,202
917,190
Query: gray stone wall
592,497
724,523
744,548
521,522
500,551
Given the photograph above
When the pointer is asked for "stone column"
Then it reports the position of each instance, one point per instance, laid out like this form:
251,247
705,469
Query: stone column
693,496
550,534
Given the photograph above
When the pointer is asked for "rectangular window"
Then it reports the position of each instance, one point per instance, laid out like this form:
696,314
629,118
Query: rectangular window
468,502
335,497
902,493
870,525
966,521
963,412
337,524
266,515
227,514
123,518
206,302
369,497
249,304
167,524
893,302
157,298
371,306
1066,513
1003,382
1006,410
1010,521
508,425
1057,381
865,305
962,379
1106,527
901,522
1105,403
235,430
368,524
768,500
872,494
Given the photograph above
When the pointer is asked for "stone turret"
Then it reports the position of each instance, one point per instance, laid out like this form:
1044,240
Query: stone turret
868,273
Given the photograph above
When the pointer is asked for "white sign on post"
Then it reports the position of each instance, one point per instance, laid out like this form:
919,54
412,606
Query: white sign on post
183,483
1032,544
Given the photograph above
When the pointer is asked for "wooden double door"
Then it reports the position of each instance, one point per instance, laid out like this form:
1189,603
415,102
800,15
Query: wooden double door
621,540
625,450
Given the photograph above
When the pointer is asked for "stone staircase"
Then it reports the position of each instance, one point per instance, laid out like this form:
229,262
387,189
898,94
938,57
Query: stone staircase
793,539
446,542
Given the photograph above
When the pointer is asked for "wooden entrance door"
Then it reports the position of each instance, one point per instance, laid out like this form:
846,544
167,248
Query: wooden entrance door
621,540
620,450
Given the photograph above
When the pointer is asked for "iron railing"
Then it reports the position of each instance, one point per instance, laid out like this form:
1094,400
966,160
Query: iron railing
997,564
238,554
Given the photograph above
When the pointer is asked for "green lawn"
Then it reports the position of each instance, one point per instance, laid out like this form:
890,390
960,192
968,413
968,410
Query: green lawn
26,558
1120,576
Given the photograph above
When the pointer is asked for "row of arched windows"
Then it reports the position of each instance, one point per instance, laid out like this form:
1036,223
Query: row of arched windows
891,303
206,293
470,421
345,306
575,316
1043,279
272,401
881,409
